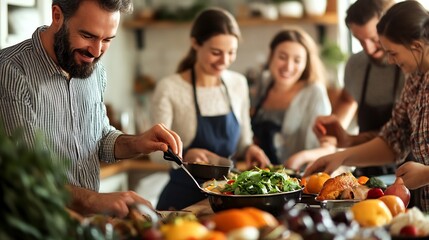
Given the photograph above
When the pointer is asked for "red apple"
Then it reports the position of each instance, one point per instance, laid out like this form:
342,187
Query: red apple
374,193
409,230
398,188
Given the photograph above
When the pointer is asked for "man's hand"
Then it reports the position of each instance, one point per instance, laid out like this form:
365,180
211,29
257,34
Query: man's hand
116,204
255,156
157,138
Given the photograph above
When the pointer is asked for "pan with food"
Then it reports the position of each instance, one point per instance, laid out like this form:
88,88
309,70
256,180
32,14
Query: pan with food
263,189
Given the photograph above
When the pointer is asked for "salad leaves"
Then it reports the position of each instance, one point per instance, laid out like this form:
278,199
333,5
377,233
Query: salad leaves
260,181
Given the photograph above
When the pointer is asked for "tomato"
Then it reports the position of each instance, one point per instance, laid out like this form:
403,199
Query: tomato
230,182
375,193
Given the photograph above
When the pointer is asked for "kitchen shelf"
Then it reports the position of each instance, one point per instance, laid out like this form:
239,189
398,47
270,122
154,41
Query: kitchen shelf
320,22
21,3
330,18
327,19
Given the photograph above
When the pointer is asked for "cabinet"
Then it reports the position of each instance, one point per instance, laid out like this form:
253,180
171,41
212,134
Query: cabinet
19,19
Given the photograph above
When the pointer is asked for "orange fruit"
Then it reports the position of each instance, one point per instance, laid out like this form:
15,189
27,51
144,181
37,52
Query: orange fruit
303,182
315,182
362,180
232,219
371,213
261,217
215,235
394,203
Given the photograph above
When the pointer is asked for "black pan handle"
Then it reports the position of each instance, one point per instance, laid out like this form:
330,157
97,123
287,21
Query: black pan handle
171,156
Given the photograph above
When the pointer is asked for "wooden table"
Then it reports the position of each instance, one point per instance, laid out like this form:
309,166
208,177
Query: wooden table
200,209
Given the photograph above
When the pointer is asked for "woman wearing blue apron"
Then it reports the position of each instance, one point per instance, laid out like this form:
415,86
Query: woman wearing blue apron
218,134
220,124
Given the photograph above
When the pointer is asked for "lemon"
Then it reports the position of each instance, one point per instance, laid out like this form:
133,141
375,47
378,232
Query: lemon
184,230
371,213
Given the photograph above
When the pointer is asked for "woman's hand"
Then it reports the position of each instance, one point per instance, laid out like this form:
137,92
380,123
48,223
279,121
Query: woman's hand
409,172
329,126
199,155
328,164
300,159
255,156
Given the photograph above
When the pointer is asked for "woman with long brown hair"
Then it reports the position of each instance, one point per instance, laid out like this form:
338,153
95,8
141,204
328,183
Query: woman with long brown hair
207,104
291,94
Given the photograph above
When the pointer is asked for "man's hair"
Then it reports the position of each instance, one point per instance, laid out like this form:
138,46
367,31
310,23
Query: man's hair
362,11
69,7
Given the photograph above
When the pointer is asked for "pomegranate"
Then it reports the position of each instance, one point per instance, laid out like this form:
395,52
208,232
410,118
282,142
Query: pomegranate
399,189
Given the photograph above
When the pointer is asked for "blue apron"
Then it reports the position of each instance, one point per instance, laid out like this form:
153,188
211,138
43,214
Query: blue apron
218,134
265,130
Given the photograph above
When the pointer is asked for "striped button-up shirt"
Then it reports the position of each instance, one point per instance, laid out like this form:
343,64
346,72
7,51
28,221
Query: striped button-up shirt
36,97
408,129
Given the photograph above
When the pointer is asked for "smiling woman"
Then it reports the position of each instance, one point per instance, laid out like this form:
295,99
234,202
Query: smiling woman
290,95
206,104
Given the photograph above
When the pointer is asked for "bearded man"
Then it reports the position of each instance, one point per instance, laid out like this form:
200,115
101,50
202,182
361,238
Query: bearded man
54,83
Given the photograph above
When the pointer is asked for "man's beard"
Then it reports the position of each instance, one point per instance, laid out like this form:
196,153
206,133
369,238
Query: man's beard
65,56
379,61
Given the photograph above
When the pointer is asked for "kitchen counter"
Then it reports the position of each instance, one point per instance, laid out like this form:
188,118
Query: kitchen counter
135,164
135,169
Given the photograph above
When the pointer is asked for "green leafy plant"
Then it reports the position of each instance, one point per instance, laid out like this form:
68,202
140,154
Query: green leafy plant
32,183
331,53
32,186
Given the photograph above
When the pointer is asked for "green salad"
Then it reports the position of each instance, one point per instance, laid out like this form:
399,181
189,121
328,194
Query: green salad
260,181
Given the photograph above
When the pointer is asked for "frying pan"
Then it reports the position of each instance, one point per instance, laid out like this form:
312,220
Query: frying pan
217,169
